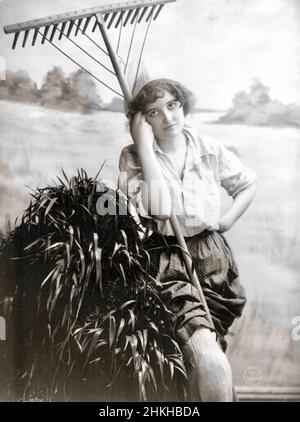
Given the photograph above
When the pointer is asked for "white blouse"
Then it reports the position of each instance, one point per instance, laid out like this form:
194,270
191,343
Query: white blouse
196,198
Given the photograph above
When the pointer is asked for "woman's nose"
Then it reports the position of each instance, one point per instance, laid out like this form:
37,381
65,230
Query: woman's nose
167,116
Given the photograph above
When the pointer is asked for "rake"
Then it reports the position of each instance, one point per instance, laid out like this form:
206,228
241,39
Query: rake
109,16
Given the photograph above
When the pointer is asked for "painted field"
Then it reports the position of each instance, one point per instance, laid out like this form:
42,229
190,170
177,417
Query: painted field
36,143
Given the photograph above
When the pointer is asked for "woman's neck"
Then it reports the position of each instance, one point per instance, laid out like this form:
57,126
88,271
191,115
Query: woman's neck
174,144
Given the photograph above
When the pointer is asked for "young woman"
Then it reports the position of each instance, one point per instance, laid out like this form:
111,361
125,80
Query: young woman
171,169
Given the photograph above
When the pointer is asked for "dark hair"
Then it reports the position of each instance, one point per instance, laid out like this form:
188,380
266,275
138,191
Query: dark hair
155,89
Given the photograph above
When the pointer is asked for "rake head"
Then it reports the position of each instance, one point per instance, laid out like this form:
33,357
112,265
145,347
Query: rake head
72,23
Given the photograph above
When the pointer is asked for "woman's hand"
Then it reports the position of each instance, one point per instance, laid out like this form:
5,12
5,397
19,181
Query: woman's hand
141,131
239,205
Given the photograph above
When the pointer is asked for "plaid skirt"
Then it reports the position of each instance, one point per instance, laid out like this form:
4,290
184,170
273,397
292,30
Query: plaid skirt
218,275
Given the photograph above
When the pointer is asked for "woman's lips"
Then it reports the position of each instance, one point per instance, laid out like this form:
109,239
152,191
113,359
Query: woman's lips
170,126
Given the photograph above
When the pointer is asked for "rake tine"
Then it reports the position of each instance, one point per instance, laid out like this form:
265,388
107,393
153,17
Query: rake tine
143,14
106,16
53,32
70,28
63,27
83,14
128,16
112,19
120,19
150,13
88,20
158,11
25,38
45,34
35,34
78,26
95,25
135,15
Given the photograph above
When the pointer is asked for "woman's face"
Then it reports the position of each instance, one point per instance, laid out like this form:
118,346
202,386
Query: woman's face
166,117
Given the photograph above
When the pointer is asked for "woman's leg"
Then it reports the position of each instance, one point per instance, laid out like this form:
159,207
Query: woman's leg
209,372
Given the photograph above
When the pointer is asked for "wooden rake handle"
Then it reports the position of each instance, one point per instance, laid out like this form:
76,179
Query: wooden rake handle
189,264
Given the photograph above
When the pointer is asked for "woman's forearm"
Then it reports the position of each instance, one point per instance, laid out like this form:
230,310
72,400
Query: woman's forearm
239,205
155,192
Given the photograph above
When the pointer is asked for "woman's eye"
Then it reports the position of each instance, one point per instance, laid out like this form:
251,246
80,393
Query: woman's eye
153,113
172,105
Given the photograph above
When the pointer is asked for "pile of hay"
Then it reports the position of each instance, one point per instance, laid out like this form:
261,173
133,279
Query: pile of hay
86,320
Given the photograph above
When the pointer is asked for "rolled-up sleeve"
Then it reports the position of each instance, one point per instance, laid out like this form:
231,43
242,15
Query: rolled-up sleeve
130,178
234,175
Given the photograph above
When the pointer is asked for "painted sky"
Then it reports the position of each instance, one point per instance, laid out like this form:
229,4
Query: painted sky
216,47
